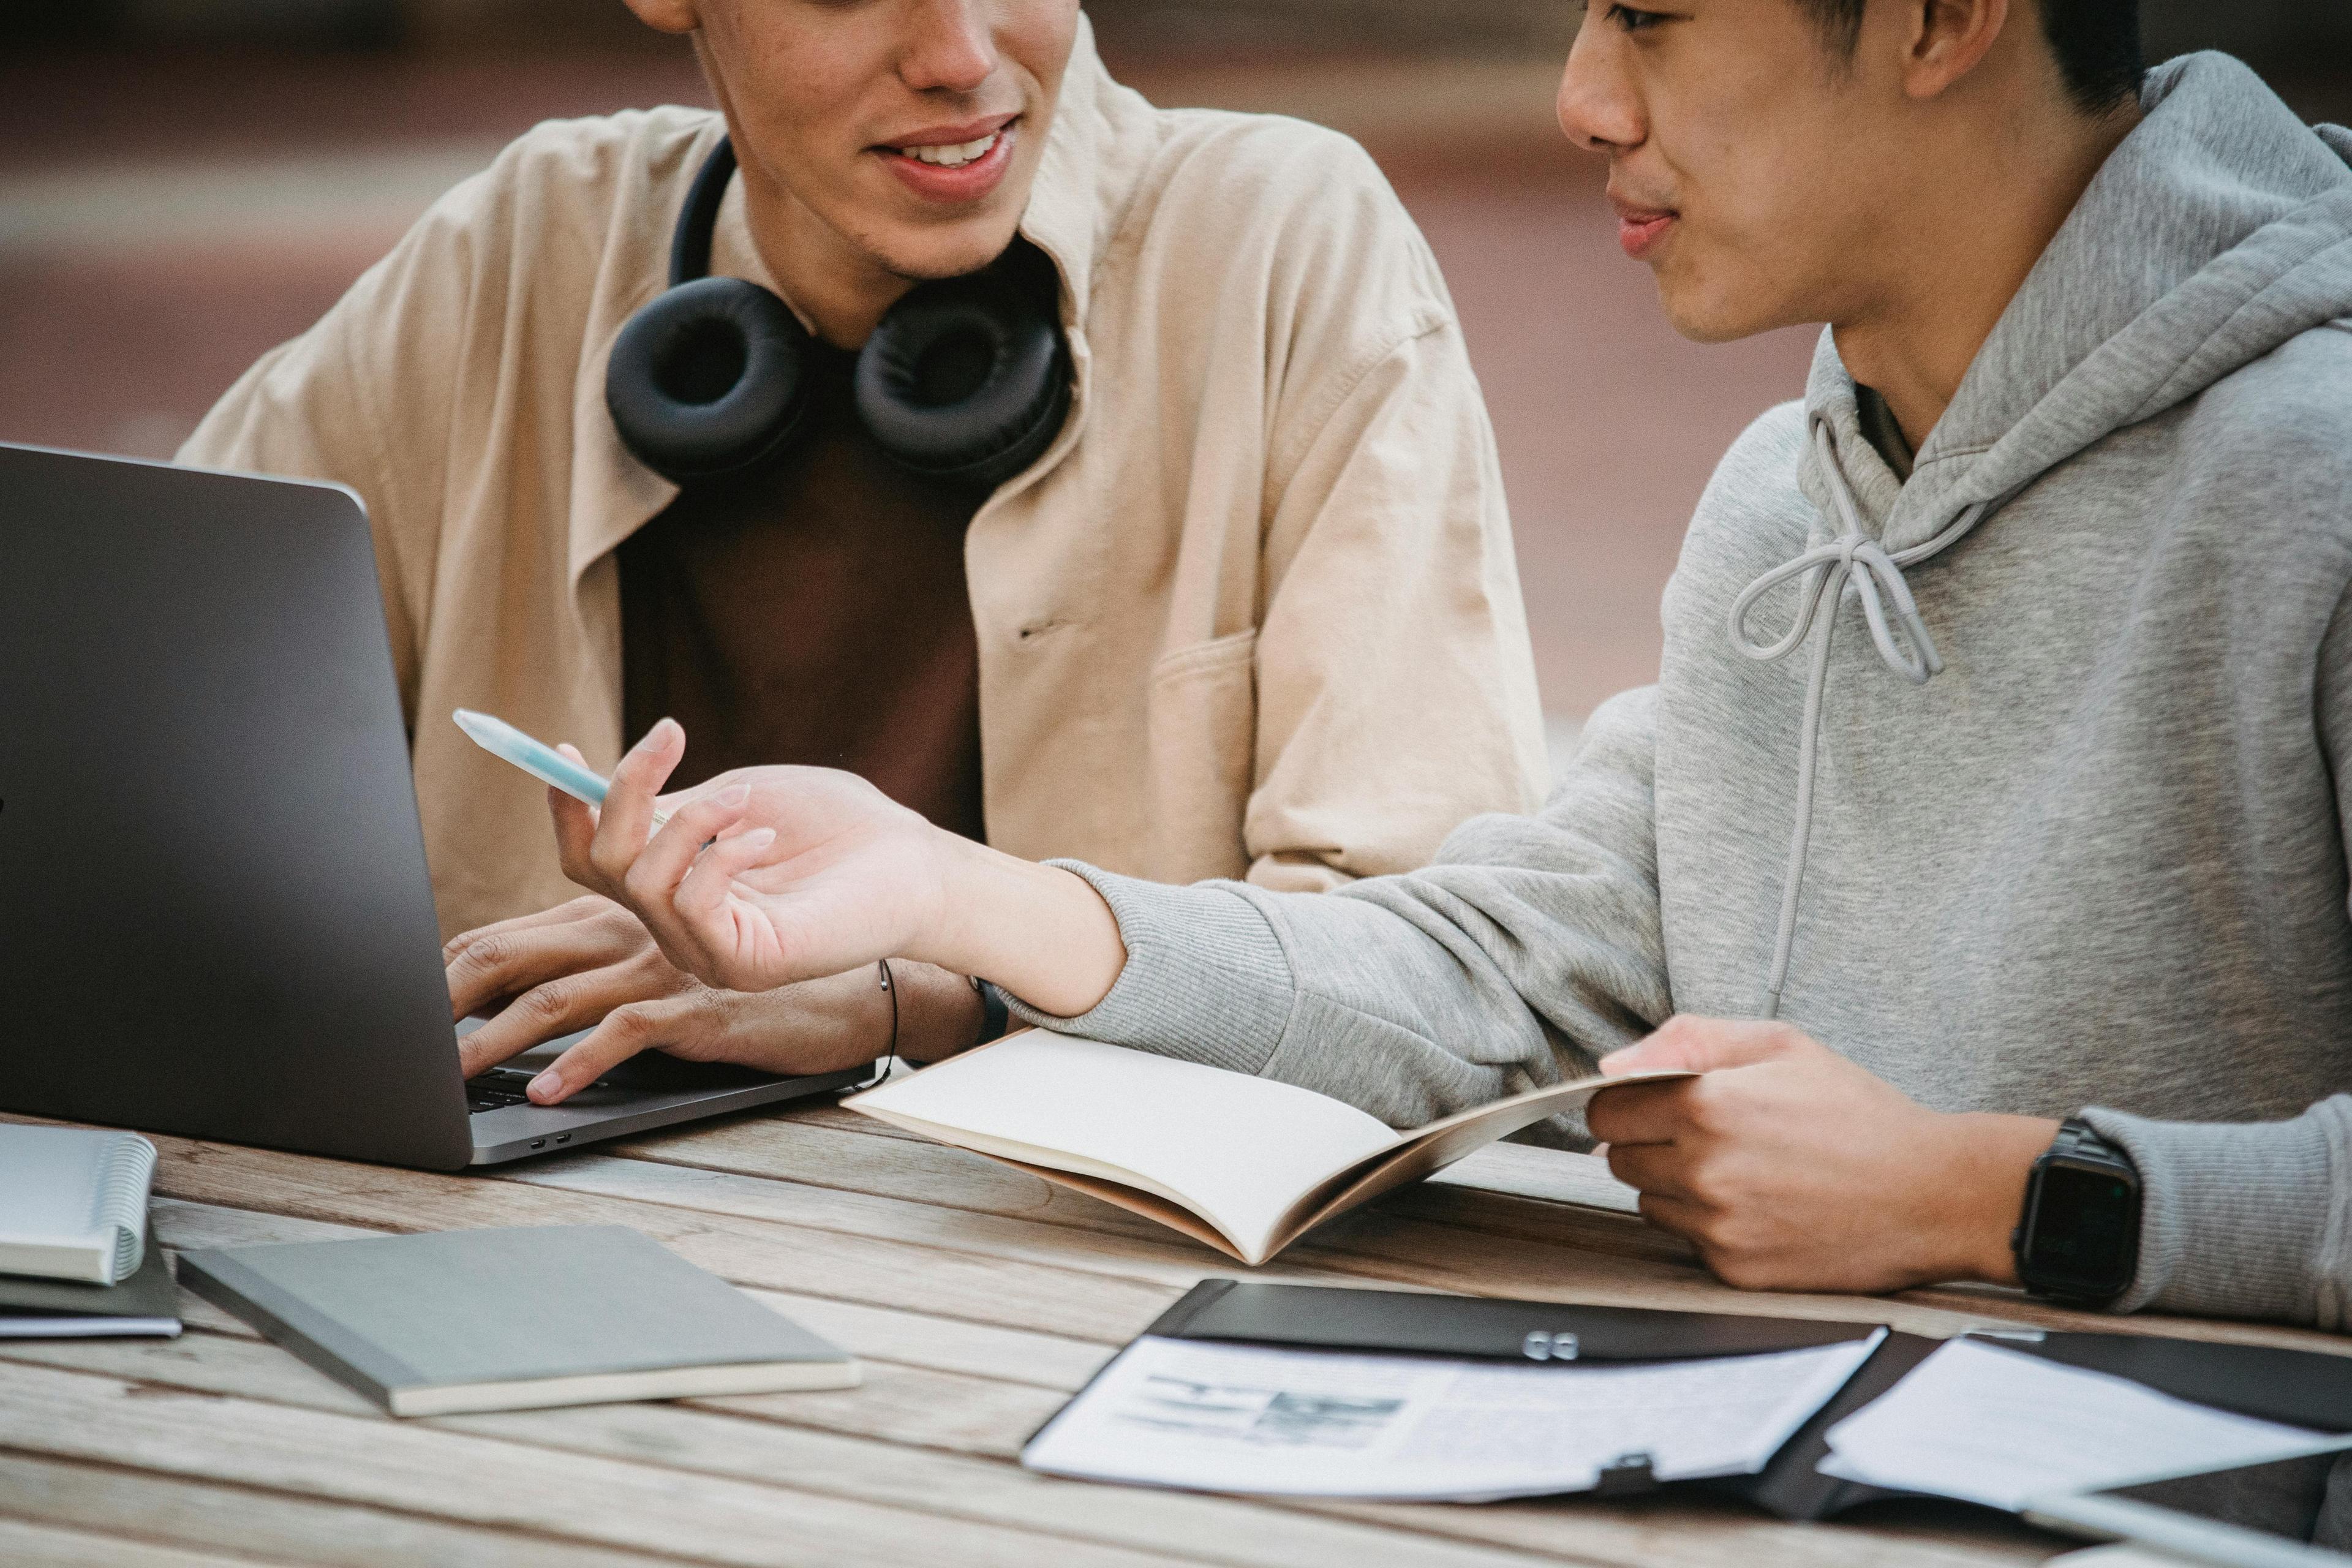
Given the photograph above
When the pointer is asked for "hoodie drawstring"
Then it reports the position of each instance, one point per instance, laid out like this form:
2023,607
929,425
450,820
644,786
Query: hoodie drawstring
1852,564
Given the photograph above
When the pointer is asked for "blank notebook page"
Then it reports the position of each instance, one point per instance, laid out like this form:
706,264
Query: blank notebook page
1241,1150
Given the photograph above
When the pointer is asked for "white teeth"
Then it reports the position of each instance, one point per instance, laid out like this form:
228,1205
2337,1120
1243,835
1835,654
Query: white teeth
954,155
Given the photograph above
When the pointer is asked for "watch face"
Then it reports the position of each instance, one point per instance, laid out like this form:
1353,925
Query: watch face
2083,1230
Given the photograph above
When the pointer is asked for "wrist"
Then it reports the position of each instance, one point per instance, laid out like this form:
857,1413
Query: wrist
1038,931
939,1011
1987,1164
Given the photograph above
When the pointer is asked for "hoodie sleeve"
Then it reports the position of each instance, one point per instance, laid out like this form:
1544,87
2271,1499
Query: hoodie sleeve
1532,946
2254,1220
2248,1220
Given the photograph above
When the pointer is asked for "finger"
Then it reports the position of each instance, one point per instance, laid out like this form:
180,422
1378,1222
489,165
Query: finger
575,910
1702,1045
1640,1114
509,960
703,907
1676,1216
1660,1169
625,1033
627,820
653,878
575,836
712,878
548,1012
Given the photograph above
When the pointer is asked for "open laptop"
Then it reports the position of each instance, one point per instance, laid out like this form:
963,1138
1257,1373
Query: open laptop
215,917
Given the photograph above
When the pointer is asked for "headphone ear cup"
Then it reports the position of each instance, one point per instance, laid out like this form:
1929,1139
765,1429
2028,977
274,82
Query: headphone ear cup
709,380
966,382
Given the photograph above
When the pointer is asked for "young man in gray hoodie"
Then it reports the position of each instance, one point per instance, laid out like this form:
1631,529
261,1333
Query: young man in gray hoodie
1992,794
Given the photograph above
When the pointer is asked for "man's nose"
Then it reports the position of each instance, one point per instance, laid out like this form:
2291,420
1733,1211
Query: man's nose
1597,108
952,47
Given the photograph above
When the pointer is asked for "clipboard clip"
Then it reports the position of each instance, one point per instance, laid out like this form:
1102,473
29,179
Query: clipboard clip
1541,1346
1625,1476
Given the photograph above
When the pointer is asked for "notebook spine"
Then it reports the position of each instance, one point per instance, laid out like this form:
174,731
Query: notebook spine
125,1172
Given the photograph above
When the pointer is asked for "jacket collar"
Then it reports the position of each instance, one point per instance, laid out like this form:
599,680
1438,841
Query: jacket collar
1102,139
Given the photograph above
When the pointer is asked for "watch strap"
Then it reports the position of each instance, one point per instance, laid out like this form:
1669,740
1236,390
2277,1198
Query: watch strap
996,1014
2079,1140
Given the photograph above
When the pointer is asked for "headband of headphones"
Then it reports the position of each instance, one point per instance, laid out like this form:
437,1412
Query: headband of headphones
966,382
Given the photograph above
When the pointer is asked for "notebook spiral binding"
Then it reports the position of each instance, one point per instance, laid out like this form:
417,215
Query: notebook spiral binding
124,1173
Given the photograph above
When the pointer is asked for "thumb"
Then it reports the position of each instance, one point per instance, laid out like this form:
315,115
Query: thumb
1702,1045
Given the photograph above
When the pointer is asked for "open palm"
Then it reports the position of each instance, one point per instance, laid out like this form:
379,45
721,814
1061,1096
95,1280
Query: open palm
816,873
762,877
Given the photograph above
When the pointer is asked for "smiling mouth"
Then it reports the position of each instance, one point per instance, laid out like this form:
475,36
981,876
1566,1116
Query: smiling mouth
954,155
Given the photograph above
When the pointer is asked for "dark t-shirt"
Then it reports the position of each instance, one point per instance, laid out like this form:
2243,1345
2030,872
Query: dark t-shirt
1884,431
813,613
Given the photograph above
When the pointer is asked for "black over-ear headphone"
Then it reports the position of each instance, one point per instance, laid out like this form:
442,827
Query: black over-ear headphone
966,382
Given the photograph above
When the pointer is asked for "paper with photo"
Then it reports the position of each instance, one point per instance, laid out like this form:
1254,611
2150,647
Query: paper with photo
1250,1418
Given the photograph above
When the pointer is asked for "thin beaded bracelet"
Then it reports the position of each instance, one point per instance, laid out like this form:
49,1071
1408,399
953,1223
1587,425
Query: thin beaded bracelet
890,986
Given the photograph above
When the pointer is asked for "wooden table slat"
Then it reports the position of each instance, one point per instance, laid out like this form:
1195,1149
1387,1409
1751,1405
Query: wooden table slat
275,1526
798,1441
436,1470
25,1544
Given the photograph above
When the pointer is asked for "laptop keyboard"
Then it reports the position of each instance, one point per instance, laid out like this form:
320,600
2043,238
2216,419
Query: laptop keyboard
495,1089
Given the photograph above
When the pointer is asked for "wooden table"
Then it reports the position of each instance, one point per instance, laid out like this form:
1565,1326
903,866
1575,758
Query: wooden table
979,1299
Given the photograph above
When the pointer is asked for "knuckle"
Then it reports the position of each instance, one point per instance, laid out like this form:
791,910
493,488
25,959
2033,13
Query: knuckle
631,1025
1707,1183
550,1002
489,950
1707,1104
1735,1268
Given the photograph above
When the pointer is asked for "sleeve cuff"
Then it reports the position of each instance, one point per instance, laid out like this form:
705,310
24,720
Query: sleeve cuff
1206,979
2242,1220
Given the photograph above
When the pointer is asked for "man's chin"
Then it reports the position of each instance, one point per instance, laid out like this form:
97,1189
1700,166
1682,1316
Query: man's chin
930,258
1705,316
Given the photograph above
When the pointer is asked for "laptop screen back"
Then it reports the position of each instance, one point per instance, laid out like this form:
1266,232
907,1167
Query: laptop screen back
215,914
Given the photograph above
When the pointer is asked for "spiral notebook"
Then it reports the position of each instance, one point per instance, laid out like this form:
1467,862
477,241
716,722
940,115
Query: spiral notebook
77,1203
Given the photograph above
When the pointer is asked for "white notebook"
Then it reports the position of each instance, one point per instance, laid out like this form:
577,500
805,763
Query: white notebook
73,1201
1244,1164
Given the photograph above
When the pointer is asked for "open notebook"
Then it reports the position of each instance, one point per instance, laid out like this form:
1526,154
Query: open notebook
1245,1164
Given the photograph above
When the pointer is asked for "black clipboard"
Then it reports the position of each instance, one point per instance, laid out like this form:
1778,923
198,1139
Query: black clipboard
1483,1327
2304,1388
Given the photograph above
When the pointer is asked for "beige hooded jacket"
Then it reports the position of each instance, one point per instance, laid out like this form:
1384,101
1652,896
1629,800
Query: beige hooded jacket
1255,614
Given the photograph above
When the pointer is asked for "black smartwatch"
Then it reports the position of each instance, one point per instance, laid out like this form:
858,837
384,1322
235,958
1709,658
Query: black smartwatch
2078,1240
995,1017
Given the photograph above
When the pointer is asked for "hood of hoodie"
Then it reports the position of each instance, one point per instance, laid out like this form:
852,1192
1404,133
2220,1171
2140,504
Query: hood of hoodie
2217,230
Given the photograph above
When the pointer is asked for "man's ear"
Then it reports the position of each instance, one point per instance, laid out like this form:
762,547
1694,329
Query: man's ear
1948,39
668,16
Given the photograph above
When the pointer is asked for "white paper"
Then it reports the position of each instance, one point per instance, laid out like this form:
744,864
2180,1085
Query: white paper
1238,1150
1247,1418
1987,1424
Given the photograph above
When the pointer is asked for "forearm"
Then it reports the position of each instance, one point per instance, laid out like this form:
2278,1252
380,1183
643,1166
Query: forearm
1038,931
2245,1220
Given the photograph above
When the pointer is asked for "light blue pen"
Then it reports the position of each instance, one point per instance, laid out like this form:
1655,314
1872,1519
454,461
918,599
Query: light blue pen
544,763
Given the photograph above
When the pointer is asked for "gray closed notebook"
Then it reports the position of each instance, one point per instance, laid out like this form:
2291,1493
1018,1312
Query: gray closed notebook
510,1320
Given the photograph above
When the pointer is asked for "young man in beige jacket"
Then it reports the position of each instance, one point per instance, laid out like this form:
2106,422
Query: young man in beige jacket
1253,613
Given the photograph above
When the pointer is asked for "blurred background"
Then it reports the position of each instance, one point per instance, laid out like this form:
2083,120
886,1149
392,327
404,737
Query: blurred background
185,183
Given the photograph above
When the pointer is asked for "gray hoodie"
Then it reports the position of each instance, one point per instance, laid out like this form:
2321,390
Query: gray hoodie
2022,784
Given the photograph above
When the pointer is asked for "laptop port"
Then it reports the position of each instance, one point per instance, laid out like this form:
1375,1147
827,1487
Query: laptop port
539,1142
563,1138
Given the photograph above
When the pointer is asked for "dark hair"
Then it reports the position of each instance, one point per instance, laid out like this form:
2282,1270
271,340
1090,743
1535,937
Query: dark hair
2096,42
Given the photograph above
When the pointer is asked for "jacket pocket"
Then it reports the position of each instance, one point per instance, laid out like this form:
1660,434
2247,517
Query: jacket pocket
1202,741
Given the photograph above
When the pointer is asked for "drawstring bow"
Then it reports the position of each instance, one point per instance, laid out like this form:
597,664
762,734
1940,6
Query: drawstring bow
1853,566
